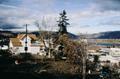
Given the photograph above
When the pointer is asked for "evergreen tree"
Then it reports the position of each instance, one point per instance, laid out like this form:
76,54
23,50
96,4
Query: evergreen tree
62,23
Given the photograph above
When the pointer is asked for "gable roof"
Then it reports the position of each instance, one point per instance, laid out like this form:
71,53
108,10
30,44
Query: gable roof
15,42
20,36
32,36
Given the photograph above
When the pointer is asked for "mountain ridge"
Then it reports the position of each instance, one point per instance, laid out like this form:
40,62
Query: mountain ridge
104,35
101,35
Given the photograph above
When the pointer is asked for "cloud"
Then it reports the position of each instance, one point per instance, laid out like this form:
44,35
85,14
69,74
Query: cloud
13,16
3,1
12,11
41,6
82,13
105,5
112,21
7,26
23,14
3,6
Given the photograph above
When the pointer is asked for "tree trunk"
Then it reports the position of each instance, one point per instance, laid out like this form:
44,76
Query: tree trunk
84,67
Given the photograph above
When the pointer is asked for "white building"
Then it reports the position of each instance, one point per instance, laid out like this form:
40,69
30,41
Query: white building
106,54
115,52
17,45
113,60
113,56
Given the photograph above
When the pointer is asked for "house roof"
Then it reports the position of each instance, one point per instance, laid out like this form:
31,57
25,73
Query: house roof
15,42
32,36
20,36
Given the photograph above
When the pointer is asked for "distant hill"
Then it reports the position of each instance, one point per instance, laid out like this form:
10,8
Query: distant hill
105,35
71,35
110,35
101,35
7,34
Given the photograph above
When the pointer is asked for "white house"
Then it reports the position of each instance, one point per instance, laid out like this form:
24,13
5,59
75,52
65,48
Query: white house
113,56
17,45
115,52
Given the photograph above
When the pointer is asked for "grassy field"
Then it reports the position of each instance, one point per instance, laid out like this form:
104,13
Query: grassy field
107,41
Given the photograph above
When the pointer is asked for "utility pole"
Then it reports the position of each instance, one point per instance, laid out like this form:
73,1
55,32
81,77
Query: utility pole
26,47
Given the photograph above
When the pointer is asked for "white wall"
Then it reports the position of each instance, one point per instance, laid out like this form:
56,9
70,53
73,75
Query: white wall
115,52
28,41
10,44
32,50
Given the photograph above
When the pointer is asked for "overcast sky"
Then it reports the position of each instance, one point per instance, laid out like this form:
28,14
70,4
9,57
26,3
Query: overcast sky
86,16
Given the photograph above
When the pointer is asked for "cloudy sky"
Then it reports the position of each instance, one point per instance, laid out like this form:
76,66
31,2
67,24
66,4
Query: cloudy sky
85,16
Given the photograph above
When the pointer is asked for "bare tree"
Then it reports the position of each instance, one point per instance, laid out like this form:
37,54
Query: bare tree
41,36
84,44
45,28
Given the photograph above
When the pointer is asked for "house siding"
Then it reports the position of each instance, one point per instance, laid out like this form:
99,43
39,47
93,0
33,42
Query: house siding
32,48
